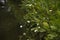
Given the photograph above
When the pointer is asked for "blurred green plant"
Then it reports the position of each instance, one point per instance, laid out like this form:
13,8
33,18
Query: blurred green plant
43,16
39,19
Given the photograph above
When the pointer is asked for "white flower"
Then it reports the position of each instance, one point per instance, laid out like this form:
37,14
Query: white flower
21,26
24,33
38,27
37,23
35,30
27,39
32,29
29,5
50,10
28,21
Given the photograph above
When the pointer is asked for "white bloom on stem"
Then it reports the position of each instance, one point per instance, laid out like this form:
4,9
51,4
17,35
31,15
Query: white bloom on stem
29,5
50,10
28,21
24,33
38,27
27,39
37,23
21,26
35,30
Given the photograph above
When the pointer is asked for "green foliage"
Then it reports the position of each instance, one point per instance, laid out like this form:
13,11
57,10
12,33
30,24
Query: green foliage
43,16
38,19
